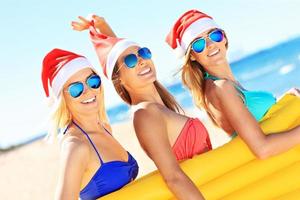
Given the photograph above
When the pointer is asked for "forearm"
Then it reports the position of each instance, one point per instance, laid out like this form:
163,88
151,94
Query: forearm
183,188
281,142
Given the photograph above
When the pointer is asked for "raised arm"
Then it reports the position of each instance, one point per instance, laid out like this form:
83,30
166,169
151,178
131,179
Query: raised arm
99,22
151,131
263,146
73,160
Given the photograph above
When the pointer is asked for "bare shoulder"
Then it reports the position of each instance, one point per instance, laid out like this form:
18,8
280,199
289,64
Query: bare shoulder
151,107
74,145
210,90
148,115
150,127
147,111
219,88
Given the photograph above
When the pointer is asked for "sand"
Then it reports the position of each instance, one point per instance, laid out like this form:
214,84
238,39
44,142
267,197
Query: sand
30,172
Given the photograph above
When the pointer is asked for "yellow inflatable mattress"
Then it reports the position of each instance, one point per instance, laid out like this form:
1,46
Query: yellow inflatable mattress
231,171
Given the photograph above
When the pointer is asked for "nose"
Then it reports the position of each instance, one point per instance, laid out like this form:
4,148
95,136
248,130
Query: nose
86,89
209,43
141,61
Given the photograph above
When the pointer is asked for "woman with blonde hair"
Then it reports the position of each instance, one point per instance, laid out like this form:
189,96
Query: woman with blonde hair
164,132
207,74
93,163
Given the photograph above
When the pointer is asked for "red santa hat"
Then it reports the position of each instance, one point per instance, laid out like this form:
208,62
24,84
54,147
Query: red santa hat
187,28
58,66
108,49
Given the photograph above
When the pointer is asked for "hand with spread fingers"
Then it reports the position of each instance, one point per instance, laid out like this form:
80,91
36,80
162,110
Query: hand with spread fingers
294,91
99,22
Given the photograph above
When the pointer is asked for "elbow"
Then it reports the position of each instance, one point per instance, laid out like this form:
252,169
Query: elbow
262,148
174,179
263,152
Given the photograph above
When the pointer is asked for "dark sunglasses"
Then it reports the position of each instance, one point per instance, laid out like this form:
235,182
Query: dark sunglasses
131,59
199,44
76,89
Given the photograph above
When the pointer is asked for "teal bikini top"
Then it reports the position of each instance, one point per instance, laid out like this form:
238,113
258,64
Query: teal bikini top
257,102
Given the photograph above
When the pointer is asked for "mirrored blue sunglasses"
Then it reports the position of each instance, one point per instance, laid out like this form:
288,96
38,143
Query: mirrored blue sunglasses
131,59
199,44
77,88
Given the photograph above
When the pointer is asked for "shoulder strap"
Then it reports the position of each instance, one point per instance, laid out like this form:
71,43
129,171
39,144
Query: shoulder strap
236,86
89,140
66,129
106,130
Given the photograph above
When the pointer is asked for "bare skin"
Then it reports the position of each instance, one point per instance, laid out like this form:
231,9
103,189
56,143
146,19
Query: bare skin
100,23
227,108
78,159
156,126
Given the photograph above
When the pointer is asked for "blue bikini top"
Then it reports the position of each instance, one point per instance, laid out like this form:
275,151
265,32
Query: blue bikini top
110,176
257,102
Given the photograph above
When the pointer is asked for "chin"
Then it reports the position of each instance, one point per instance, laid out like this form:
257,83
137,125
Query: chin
152,79
145,82
217,61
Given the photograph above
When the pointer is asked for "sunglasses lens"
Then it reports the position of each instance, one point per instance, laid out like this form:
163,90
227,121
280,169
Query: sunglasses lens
216,36
130,60
198,45
145,53
94,81
76,89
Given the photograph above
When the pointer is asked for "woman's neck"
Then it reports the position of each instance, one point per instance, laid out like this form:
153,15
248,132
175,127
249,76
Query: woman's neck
223,72
145,94
89,123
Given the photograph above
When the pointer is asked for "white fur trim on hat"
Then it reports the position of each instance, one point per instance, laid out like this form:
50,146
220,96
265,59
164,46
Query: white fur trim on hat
193,31
114,54
67,71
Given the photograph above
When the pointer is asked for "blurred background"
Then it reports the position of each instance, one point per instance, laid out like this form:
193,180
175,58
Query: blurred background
264,52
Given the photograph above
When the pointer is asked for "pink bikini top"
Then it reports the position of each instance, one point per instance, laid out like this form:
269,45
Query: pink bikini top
192,140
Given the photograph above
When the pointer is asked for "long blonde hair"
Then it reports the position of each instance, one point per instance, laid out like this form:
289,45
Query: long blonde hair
192,77
168,100
61,116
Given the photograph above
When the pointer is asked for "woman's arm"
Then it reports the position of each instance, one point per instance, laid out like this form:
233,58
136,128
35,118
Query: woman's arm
73,161
293,91
263,146
151,131
99,22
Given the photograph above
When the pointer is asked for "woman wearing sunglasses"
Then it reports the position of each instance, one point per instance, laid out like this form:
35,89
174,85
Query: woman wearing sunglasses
93,163
166,135
207,74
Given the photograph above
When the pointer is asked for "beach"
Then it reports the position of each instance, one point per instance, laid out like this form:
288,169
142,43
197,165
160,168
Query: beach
30,171
262,49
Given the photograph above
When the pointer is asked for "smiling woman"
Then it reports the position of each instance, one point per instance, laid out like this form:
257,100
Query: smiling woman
206,72
164,132
90,157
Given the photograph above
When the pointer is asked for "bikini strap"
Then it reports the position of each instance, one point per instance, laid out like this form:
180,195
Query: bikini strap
106,130
208,76
88,137
66,129
236,86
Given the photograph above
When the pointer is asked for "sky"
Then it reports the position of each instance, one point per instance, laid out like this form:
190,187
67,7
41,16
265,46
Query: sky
32,28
